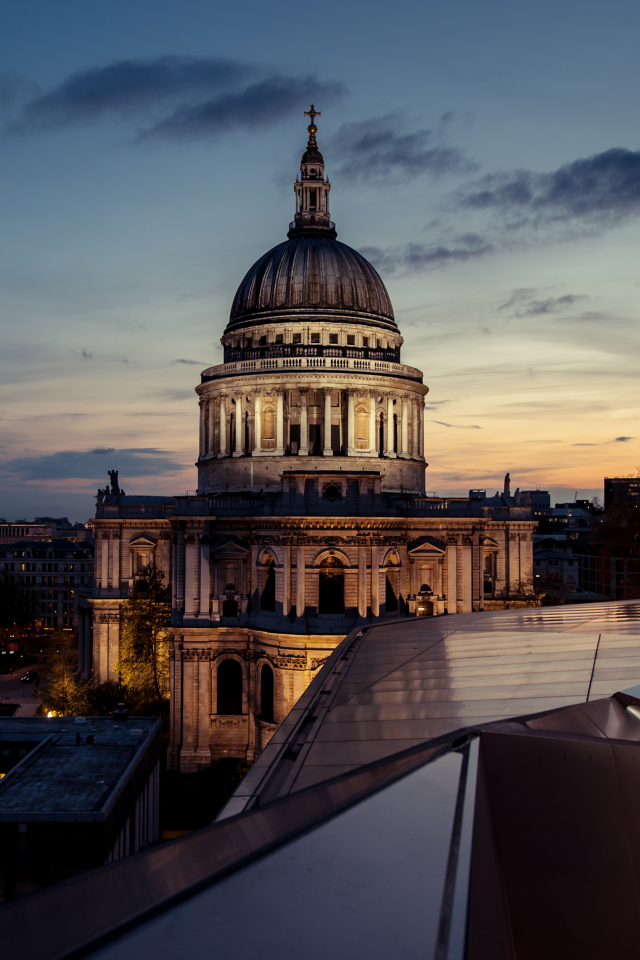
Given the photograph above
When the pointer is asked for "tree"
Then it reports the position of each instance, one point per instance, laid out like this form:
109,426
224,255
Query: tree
143,663
15,607
64,694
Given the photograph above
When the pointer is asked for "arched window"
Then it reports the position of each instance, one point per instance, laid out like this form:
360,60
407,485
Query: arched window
391,598
331,587
229,687
266,693
268,584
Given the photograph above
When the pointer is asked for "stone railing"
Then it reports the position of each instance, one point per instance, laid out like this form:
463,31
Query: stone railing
379,367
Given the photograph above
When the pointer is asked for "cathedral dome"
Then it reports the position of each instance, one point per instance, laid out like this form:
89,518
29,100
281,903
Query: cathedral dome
311,274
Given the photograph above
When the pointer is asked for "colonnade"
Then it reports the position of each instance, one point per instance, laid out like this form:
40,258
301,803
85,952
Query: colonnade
403,410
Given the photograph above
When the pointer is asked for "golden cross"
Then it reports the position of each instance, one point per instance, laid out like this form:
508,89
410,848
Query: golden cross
312,113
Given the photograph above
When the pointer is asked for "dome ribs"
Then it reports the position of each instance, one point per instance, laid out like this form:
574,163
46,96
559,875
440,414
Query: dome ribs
315,273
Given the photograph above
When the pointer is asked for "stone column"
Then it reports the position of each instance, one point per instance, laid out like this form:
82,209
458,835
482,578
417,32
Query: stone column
327,451
189,711
414,429
279,451
203,751
513,555
351,424
223,426
304,427
478,573
189,576
389,451
286,581
239,450
375,582
104,561
204,580
212,426
257,433
88,643
372,421
301,599
81,645
202,403
254,583
196,575
404,439
180,577
452,579
362,581
421,430
164,558
115,565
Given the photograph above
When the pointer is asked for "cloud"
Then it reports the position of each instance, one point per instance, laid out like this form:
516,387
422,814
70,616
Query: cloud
599,190
15,87
623,439
415,257
86,355
188,362
458,426
526,307
91,464
379,148
173,96
259,105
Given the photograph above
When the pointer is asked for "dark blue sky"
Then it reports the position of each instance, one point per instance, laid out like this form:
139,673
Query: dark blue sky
483,155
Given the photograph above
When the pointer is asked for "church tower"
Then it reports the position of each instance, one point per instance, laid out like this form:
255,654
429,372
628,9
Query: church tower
312,365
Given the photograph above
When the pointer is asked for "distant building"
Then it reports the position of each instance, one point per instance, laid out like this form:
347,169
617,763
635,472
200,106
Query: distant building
540,501
574,520
44,528
555,567
74,795
626,489
56,574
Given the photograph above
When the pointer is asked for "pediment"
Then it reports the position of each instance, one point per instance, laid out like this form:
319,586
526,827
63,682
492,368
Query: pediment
142,542
230,549
428,546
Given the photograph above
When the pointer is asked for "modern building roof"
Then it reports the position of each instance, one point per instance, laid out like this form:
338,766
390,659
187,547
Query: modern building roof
62,780
394,686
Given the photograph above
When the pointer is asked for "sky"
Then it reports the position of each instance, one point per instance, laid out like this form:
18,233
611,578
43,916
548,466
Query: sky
485,157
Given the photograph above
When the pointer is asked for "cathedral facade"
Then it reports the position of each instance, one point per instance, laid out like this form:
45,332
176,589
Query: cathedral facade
311,515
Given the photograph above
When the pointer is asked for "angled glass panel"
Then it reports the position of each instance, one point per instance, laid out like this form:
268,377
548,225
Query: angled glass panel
369,883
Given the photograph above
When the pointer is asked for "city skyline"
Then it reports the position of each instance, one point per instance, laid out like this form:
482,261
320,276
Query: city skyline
495,189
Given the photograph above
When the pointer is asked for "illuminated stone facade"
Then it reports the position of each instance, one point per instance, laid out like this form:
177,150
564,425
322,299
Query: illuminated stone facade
310,516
